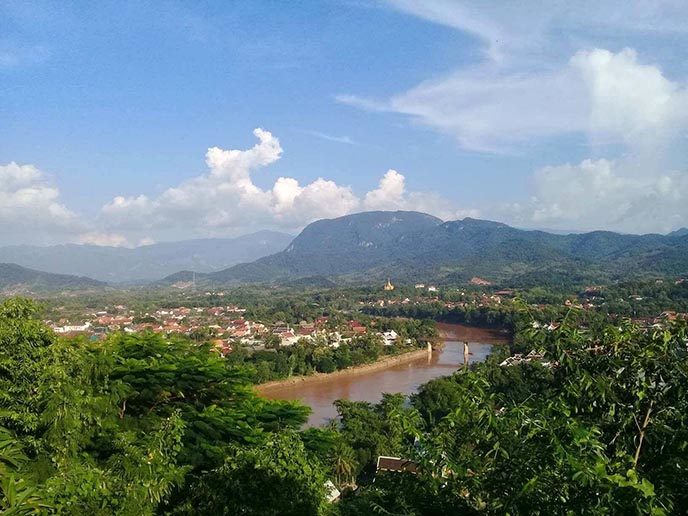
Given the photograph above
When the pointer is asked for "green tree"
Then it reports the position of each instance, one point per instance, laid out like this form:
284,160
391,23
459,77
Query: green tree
273,341
343,463
123,426
599,428
24,355
18,494
276,479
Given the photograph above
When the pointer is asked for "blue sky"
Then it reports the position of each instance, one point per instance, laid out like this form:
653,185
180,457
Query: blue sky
538,114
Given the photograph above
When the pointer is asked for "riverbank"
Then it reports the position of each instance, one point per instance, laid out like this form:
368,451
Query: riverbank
379,365
401,373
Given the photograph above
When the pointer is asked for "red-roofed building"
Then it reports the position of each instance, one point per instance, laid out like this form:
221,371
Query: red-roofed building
223,346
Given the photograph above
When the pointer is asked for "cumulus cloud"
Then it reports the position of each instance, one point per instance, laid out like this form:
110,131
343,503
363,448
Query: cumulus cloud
545,73
628,100
226,199
224,196
540,80
30,204
389,194
223,201
602,194
636,106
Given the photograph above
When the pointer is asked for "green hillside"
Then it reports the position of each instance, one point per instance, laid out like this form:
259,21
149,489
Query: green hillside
17,279
411,246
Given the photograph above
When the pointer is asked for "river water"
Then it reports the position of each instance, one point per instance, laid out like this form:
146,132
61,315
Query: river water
404,377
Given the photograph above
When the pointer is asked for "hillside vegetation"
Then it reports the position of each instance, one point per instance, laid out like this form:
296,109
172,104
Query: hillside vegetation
410,246
16,279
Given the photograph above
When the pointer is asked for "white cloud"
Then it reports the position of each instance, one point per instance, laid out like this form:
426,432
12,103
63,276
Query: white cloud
528,88
459,16
320,199
521,96
226,200
507,29
602,194
14,176
30,205
631,101
223,201
103,239
606,95
389,195
332,138
544,74
223,197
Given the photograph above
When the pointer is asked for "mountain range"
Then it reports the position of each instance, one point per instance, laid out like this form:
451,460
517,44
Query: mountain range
15,279
411,246
146,263
359,249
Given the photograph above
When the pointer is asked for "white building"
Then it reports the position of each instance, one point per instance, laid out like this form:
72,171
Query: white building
71,328
389,338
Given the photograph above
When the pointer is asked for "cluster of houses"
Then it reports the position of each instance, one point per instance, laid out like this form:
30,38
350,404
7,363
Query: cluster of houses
662,320
225,326
163,320
475,299
533,356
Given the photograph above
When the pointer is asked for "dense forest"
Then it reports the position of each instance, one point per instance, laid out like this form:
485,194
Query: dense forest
143,424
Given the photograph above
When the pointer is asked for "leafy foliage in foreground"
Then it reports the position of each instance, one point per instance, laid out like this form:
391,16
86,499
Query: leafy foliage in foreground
603,431
120,427
143,425
283,482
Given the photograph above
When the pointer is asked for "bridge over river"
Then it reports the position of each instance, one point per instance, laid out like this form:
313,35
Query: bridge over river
403,377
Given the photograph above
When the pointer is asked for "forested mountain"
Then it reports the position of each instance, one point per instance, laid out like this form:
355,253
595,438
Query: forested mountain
146,263
411,246
17,279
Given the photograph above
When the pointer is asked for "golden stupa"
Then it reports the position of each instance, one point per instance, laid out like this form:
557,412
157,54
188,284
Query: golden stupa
389,286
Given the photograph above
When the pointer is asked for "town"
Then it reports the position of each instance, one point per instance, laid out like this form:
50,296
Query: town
224,326
209,316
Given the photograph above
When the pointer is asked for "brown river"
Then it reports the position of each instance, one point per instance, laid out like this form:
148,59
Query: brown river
403,377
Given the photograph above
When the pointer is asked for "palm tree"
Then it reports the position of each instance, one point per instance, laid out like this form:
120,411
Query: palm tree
343,463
